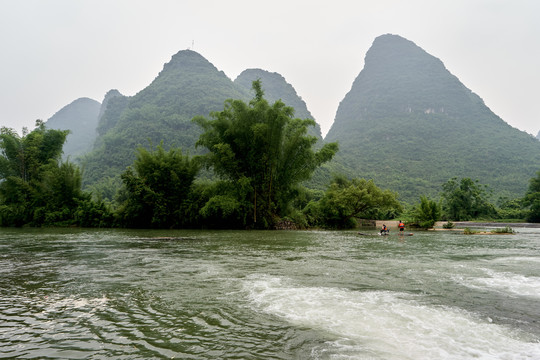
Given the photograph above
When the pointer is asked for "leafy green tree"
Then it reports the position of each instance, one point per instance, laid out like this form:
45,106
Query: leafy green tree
60,185
427,212
37,189
532,199
346,200
465,200
56,196
220,205
24,161
262,151
156,188
24,157
93,213
511,208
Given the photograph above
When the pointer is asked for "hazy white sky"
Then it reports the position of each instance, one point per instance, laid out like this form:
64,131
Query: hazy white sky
55,51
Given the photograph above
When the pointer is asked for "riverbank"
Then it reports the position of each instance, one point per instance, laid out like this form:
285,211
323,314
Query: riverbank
463,224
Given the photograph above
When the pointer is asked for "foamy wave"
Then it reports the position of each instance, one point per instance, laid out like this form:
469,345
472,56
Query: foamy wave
386,325
505,282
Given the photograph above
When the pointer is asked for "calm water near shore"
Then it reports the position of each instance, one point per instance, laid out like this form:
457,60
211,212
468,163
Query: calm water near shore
124,294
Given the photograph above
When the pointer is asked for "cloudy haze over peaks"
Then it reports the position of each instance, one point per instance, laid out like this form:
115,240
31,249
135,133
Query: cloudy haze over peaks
56,51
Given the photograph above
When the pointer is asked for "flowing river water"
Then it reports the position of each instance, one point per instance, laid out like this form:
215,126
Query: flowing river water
123,294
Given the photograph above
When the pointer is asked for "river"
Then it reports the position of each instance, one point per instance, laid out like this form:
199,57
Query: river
124,294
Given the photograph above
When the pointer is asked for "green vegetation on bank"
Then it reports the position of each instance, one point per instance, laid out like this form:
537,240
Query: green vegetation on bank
263,154
260,156
156,189
467,200
407,123
507,230
345,201
37,188
259,153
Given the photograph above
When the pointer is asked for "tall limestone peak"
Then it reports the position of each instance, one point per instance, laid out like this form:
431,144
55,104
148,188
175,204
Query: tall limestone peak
192,83
187,60
188,85
538,135
275,88
401,78
411,125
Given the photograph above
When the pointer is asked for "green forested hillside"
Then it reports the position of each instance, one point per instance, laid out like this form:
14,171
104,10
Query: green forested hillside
277,88
111,110
80,118
187,86
410,125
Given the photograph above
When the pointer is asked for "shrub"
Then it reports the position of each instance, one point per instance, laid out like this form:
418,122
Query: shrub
448,225
504,230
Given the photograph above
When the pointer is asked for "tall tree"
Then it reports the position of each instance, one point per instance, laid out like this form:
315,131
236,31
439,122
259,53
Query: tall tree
465,199
24,157
37,189
264,150
23,162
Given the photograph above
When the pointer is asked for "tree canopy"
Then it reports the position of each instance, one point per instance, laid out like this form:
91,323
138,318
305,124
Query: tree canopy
346,200
24,157
156,189
23,162
36,188
465,199
264,151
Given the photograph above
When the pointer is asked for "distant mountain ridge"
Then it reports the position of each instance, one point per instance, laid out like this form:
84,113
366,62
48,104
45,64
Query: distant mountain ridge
538,135
411,125
80,117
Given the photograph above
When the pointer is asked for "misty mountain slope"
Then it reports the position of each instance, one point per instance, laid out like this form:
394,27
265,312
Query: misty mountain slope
275,88
188,85
410,124
81,118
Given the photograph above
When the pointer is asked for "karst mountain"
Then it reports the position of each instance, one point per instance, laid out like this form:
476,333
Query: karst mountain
411,125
